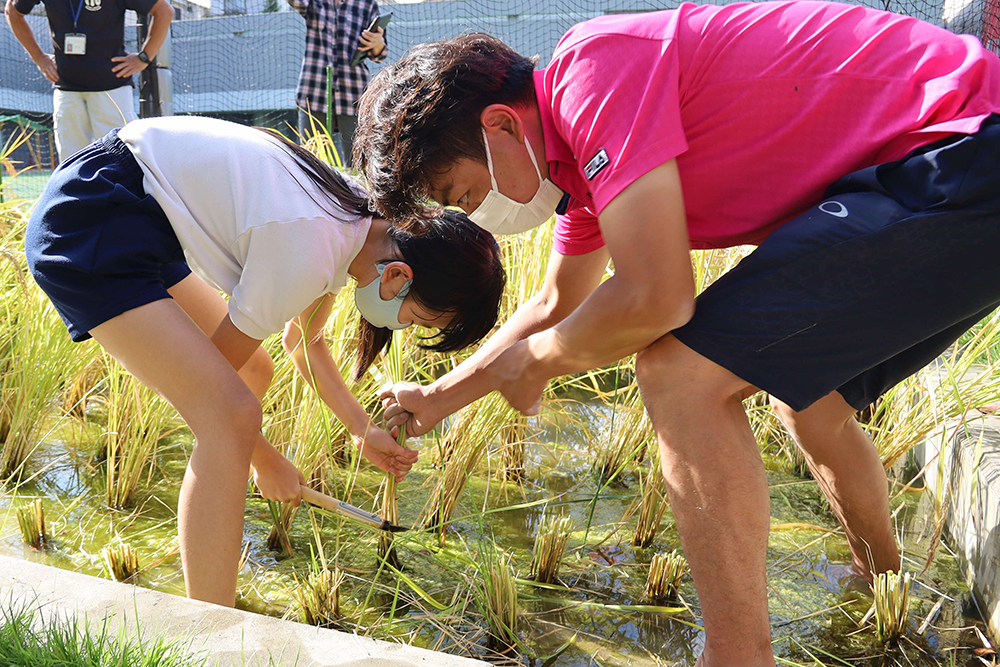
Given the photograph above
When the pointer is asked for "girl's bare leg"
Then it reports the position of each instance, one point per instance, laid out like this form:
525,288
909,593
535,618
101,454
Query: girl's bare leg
206,307
163,347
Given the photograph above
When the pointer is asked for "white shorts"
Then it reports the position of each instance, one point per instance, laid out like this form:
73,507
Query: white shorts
82,117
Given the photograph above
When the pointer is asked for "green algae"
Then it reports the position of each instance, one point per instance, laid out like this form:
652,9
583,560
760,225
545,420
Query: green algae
594,614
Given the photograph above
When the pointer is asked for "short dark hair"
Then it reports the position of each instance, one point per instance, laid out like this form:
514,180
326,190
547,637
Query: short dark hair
457,269
456,265
420,115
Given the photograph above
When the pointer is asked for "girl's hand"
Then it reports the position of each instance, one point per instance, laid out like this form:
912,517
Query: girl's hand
381,449
275,476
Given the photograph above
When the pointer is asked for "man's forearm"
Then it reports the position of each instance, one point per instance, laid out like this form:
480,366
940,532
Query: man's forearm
471,379
157,30
613,323
23,33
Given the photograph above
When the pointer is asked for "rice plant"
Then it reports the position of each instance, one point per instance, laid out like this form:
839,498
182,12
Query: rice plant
31,521
496,596
666,572
550,546
282,515
136,420
771,435
120,561
36,354
630,432
469,434
318,595
652,505
891,605
709,265
524,257
966,377
395,369
80,389
512,448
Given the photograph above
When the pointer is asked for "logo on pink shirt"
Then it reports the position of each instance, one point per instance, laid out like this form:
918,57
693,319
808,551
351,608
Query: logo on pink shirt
596,163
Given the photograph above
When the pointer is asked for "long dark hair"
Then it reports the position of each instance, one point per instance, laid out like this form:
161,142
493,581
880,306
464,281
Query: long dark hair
457,270
327,179
456,265
421,114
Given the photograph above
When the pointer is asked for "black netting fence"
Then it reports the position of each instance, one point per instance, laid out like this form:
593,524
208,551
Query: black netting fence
239,59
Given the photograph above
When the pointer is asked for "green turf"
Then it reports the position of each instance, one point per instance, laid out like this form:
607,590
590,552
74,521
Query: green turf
26,185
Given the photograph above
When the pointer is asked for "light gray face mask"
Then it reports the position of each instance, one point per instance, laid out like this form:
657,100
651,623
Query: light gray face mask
378,311
502,215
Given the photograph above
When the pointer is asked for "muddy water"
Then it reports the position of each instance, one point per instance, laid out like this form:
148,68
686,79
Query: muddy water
590,618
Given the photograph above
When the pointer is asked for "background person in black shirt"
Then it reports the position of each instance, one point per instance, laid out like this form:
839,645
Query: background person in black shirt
91,70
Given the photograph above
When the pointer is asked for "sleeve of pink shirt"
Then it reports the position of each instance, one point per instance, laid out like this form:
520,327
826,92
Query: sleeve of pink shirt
619,94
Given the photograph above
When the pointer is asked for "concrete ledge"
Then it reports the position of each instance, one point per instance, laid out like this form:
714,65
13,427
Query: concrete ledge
963,461
228,636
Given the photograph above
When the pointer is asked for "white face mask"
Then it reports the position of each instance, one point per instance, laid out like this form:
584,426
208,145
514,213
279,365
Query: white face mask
502,215
378,311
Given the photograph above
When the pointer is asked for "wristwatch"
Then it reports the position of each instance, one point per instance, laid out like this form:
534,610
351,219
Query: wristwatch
143,57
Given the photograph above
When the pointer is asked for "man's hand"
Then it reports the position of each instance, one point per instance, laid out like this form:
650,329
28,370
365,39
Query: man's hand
127,65
275,476
46,64
372,41
381,449
410,404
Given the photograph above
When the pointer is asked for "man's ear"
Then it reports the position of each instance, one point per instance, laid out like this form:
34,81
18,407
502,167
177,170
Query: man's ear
502,119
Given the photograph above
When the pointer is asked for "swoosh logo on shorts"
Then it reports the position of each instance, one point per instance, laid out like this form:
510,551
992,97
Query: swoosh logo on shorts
834,208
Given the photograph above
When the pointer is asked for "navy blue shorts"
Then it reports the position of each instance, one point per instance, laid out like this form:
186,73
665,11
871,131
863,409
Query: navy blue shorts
870,285
96,243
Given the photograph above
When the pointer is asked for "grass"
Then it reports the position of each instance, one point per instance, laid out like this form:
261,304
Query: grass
26,638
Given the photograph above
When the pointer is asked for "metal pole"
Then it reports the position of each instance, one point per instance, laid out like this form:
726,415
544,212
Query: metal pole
329,100
149,89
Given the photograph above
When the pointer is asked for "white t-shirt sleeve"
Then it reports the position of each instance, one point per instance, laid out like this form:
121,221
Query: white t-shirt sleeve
288,266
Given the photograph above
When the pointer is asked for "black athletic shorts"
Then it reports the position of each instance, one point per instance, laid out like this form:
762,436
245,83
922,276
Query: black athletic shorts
96,243
867,287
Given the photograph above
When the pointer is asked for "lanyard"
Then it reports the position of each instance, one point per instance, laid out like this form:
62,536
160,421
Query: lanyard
76,12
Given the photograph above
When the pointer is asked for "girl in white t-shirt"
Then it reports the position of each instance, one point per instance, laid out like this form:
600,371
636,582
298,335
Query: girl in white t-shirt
111,241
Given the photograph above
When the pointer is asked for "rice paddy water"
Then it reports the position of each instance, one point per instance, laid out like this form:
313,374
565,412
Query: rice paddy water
542,540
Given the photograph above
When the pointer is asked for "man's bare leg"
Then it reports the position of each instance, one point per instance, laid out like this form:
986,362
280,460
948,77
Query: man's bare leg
718,494
844,462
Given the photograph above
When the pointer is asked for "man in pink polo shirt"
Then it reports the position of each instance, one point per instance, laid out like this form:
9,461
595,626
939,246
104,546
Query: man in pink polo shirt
859,149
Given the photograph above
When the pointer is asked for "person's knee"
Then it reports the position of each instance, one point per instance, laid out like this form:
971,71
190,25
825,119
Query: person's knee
671,370
259,369
245,418
825,416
